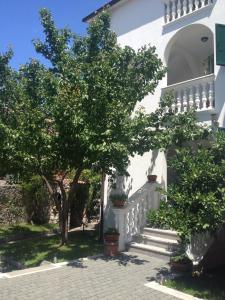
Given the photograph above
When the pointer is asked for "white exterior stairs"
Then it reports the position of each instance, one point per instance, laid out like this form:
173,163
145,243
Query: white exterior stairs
155,242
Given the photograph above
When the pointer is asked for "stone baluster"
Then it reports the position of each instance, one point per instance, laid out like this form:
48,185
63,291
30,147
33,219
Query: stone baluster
179,101
145,211
192,5
185,100
197,97
203,3
173,10
179,9
185,7
167,11
196,3
135,220
204,95
191,98
211,94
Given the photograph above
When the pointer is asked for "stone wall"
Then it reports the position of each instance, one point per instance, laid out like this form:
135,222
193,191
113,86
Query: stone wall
11,205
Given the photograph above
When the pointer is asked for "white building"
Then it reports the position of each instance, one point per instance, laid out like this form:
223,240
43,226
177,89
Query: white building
192,46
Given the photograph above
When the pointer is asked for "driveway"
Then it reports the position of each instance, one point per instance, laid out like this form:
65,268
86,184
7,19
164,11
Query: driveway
96,278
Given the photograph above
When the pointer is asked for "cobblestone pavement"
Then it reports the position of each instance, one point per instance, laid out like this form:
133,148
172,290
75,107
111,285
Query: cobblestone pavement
100,278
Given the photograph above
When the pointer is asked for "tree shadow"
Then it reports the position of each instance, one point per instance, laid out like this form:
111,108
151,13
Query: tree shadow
122,259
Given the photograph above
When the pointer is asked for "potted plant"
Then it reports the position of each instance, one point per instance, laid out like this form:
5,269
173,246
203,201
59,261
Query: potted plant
180,263
152,178
111,235
118,199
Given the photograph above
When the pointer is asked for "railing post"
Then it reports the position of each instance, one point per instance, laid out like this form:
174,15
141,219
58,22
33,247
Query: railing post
204,95
179,8
196,4
173,8
211,94
191,98
185,7
167,11
185,100
197,97
120,220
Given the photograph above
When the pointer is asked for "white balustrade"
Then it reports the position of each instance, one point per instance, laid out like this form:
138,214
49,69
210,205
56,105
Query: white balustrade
131,219
198,93
175,9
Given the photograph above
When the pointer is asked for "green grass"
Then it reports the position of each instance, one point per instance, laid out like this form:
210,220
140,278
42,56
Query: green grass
32,252
24,230
210,286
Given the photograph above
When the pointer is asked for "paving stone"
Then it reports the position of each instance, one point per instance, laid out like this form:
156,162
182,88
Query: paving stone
95,279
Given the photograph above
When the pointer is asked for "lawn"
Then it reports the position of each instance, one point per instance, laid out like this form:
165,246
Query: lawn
209,286
24,230
32,252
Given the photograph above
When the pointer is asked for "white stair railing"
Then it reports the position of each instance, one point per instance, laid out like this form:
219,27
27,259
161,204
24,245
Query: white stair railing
131,219
175,9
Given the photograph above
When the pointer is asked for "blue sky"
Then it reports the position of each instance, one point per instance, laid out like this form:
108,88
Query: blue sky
19,22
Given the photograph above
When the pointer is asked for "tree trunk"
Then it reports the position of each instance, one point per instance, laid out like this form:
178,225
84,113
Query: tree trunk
101,224
65,212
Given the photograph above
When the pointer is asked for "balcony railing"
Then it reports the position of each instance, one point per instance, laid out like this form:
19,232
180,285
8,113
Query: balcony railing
198,93
175,9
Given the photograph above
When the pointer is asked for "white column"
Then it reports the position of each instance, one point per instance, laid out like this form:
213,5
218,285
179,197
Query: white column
203,3
185,100
120,221
178,8
185,6
173,7
211,94
167,11
196,2
197,97
204,95
191,98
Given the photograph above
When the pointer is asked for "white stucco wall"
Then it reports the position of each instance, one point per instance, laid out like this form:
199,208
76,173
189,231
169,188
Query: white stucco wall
141,22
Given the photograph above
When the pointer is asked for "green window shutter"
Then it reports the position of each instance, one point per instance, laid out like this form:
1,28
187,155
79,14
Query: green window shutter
220,44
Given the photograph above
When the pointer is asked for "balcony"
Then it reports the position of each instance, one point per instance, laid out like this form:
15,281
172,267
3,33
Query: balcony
176,9
197,92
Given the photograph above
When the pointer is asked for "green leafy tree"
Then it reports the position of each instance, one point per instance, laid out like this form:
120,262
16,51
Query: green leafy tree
197,198
79,112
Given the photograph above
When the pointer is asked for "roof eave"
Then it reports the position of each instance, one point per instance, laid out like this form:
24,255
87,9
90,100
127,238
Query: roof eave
98,11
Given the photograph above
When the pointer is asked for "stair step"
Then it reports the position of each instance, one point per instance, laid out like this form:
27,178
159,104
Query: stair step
162,233
160,242
151,250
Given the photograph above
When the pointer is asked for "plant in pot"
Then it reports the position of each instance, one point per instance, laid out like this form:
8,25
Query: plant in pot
152,178
111,235
180,263
118,199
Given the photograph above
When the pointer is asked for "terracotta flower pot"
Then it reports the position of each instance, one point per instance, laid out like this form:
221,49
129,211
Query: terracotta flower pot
118,203
111,249
152,178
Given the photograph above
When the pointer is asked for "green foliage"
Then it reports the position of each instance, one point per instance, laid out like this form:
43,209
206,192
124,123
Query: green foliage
196,201
182,258
36,200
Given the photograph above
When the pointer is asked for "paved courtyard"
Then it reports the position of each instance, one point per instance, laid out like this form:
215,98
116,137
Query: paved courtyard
99,278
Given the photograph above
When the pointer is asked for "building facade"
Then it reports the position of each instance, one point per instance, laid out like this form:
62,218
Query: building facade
190,41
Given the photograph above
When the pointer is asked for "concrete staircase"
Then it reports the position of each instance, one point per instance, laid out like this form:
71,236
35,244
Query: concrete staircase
155,242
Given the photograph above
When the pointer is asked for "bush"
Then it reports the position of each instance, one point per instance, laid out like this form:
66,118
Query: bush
36,200
196,202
